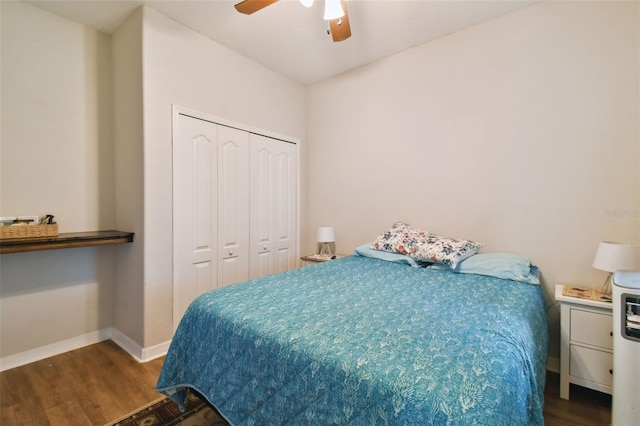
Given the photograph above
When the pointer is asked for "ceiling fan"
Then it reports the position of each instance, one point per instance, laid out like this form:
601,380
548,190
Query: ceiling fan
335,11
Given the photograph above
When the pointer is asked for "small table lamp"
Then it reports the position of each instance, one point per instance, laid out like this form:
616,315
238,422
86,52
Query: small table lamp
326,236
613,256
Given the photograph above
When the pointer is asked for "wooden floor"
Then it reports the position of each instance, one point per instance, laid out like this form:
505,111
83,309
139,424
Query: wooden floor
89,386
586,407
101,383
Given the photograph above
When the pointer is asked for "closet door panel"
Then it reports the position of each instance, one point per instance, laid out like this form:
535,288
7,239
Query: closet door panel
262,206
195,223
285,213
264,200
233,206
273,206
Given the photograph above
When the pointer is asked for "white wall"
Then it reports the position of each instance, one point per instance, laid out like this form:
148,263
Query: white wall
521,132
183,68
57,158
61,83
56,119
129,177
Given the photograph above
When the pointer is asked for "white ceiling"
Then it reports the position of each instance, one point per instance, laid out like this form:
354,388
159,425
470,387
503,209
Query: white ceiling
292,40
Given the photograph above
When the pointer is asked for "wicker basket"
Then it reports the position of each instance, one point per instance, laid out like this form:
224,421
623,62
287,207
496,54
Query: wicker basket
28,231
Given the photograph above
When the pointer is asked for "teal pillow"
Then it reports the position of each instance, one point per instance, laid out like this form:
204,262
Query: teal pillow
500,265
365,251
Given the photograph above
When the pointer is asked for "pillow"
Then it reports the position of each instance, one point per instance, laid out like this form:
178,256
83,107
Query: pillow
445,250
394,239
365,251
424,246
499,265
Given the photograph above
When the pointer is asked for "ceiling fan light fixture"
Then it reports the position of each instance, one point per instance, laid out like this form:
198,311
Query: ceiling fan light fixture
306,3
332,10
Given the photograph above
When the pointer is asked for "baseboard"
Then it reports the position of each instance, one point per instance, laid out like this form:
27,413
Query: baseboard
553,364
139,353
156,351
42,352
126,343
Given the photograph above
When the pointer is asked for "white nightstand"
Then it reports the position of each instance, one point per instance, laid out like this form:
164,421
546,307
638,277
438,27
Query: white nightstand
586,343
316,258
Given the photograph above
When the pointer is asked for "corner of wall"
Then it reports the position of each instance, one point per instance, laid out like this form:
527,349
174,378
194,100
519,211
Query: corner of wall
141,354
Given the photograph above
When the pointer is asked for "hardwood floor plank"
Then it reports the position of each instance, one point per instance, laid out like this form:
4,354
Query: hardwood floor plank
21,415
100,383
69,412
16,380
48,385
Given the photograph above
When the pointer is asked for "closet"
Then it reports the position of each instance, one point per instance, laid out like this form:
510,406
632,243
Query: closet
235,207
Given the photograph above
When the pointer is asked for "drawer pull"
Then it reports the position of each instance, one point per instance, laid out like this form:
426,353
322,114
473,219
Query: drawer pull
611,334
611,372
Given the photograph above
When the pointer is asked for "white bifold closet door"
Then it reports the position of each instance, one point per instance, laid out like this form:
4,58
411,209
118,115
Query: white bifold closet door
195,223
273,199
235,205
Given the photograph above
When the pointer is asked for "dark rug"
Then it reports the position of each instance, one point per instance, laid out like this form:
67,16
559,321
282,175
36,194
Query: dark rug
165,412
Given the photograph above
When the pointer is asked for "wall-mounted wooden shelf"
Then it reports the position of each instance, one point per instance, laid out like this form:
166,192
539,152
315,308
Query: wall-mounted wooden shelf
67,240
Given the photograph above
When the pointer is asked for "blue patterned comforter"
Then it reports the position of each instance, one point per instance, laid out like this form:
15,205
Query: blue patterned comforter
365,342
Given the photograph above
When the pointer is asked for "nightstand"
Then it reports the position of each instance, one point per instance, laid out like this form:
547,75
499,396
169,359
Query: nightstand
586,343
316,258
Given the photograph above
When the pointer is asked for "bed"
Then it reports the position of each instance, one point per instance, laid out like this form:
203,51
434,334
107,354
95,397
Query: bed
366,341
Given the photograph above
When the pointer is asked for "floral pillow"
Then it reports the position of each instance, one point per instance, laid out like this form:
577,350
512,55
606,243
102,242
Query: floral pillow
400,238
425,246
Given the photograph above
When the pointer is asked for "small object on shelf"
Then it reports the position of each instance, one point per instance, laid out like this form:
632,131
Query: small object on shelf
585,293
318,258
28,231
6,221
28,227
25,220
47,219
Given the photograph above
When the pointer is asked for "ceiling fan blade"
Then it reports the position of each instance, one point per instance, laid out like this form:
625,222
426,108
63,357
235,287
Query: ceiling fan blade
340,28
250,6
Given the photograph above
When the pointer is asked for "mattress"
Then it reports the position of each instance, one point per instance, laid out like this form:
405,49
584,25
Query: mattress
365,341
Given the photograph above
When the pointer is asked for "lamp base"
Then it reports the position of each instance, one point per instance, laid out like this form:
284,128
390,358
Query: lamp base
325,250
606,287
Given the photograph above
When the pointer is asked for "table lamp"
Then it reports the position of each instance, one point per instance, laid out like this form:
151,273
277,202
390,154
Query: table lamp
611,257
326,236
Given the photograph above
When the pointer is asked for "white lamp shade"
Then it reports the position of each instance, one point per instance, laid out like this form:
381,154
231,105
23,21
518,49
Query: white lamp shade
332,10
612,256
306,3
326,234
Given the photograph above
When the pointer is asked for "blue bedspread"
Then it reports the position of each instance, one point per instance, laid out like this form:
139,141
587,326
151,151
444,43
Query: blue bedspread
366,342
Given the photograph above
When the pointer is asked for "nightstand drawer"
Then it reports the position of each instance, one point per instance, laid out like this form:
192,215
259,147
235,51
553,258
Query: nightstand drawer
591,328
591,364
